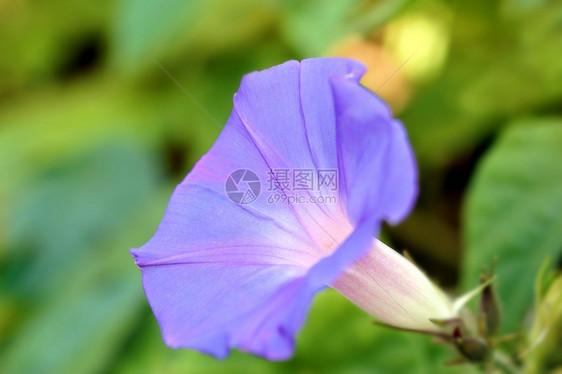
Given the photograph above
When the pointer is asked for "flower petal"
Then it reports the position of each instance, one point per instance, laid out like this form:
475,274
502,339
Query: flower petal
290,112
379,171
389,287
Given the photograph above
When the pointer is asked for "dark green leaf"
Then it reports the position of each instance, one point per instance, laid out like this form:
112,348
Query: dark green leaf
513,211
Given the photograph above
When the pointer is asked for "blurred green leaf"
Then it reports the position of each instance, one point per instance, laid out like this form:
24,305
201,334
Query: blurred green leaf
57,217
513,212
88,316
60,123
311,27
498,68
143,28
79,328
39,39
80,291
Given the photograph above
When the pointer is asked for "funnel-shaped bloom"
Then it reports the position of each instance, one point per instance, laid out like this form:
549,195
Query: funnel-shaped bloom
287,202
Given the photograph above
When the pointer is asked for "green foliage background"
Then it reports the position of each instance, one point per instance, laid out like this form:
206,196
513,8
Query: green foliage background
94,135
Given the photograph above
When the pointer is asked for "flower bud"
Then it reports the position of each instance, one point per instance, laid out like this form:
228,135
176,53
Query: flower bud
489,317
473,349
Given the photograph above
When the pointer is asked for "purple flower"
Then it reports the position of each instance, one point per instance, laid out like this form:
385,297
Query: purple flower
238,269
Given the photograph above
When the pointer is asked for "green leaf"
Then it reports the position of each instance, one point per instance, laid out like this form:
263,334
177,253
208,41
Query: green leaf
57,216
515,71
78,294
83,322
311,27
513,211
80,327
143,28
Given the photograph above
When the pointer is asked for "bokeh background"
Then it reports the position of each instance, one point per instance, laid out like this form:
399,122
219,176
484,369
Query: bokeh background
96,129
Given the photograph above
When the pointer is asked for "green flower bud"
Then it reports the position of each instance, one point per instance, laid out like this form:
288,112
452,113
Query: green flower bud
473,349
489,316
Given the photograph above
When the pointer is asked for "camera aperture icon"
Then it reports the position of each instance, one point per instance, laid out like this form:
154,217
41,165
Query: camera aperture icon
243,186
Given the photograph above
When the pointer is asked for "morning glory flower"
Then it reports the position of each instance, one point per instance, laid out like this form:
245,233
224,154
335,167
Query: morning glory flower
288,201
